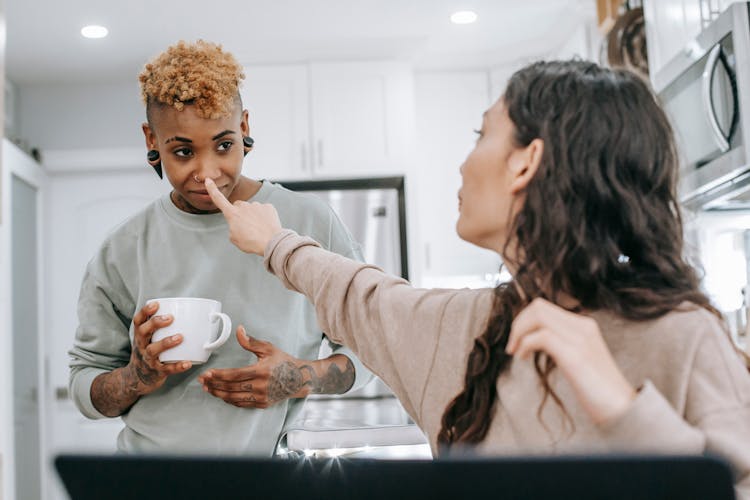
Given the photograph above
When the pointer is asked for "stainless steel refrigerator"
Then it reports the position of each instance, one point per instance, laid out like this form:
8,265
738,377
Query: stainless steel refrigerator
369,422
373,209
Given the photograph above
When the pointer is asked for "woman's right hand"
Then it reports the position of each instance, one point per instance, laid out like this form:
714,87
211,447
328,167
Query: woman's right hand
251,225
147,372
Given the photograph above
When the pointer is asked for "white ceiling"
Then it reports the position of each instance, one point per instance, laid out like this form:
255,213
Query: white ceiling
44,44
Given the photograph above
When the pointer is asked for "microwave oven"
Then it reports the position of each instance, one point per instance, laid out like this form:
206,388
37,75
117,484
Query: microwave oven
705,91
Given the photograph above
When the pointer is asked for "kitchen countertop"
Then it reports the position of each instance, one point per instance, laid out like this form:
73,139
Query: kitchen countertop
355,428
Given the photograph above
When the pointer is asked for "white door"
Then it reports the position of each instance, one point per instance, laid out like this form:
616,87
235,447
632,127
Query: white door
25,190
82,208
362,118
276,98
25,315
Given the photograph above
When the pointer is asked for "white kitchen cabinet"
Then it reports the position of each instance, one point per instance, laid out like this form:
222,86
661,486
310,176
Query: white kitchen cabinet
362,118
324,120
670,25
276,98
449,108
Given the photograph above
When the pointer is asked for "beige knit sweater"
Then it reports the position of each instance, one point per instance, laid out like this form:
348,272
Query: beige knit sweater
694,392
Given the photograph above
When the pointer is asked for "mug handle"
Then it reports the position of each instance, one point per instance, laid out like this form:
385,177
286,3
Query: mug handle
226,326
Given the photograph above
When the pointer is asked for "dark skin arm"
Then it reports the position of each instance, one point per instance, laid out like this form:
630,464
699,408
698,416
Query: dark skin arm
277,376
113,393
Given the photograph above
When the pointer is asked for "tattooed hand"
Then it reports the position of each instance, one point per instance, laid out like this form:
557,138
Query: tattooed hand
112,393
277,376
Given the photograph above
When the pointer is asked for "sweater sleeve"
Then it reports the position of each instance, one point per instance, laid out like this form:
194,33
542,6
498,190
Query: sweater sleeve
392,327
102,341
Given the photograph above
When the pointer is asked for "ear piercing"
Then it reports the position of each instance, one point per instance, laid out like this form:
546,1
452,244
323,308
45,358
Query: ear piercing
247,142
153,159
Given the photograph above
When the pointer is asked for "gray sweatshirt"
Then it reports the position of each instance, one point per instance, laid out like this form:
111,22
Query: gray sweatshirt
165,252
694,395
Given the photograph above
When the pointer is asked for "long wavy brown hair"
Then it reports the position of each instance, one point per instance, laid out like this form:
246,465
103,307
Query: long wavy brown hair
600,221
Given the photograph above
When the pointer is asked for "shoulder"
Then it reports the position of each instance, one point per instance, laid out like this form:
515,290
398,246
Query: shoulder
125,234
296,202
685,345
310,215
686,325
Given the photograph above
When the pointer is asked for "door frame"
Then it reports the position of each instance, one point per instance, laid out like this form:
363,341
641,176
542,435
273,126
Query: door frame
17,163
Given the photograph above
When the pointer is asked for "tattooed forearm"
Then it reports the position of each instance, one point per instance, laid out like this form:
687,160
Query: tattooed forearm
336,379
113,393
285,381
334,375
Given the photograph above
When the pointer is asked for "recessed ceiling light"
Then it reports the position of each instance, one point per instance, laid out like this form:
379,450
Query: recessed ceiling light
94,31
464,17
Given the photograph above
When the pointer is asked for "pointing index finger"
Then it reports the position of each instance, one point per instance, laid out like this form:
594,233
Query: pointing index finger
217,197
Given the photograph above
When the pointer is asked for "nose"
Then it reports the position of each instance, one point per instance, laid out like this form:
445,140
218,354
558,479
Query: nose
206,169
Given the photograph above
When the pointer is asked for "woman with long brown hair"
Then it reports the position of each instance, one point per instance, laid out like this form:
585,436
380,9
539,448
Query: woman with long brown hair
602,341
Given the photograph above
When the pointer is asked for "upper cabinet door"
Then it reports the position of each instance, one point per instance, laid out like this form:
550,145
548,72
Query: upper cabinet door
362,118
276,98
670,25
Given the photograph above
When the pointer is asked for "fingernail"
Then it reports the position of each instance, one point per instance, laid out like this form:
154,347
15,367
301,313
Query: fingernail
163,317
176,338
185,365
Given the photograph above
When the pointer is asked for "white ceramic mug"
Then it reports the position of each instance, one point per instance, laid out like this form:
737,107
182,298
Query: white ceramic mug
200,322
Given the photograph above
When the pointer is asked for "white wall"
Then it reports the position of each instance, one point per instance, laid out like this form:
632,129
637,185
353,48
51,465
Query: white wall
76,117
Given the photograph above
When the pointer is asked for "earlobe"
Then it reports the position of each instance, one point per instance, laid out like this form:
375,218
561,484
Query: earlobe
528,163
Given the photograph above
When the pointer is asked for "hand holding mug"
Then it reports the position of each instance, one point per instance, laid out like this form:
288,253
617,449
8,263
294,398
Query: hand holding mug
148,372
251,225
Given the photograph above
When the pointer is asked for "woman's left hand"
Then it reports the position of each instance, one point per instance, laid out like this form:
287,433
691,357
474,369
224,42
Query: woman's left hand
576,345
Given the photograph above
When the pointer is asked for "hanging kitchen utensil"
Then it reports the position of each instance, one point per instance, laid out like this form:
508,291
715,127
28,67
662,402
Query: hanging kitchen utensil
626,42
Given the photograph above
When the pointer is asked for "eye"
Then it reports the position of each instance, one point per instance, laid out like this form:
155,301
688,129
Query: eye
183,152
225,146
479,133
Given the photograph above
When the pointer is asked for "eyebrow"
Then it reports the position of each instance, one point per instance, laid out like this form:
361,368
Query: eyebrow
222,134
177,138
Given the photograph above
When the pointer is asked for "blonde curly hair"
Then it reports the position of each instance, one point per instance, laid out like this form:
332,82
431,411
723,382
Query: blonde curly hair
200,74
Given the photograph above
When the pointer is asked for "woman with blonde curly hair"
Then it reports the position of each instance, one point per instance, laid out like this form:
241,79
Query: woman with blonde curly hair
601,342
196,129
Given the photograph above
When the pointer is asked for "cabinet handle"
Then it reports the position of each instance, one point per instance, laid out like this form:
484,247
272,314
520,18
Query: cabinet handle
320,153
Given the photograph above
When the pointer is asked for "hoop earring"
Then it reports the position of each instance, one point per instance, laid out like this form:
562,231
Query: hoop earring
247,142
153,159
